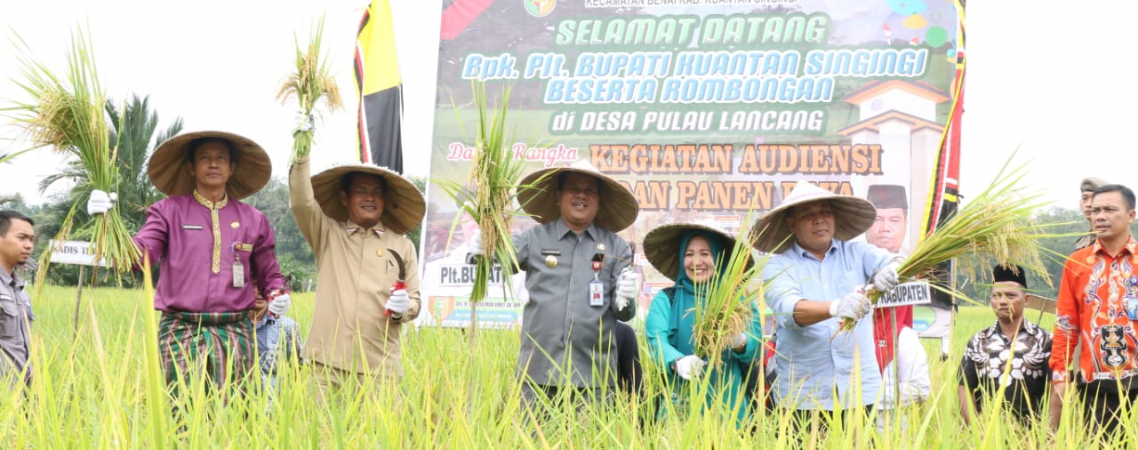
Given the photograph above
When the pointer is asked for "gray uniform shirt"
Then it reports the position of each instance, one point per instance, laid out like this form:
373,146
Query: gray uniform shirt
14,319
559,326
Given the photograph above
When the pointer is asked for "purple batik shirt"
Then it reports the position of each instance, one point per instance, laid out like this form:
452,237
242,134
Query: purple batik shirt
178,234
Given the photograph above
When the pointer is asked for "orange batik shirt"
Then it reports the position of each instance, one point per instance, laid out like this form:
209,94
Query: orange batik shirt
1098,302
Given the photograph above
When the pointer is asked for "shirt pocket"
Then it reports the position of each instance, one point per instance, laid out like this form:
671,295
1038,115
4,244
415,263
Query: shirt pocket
9,317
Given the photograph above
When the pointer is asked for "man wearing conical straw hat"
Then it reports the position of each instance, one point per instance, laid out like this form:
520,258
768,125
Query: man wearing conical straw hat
354,217
818,277
575,275
693,255
210,247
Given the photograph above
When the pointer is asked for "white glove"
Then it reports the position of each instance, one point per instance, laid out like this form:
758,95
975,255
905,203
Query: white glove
100,202
626,288
886,279
854,305
689,367
475,242
279,305
739,340
398,302
302,122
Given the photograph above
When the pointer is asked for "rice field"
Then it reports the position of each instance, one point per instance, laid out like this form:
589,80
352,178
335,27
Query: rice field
88,395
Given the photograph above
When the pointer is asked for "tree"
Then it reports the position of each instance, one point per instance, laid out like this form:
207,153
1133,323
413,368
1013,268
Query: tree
293,253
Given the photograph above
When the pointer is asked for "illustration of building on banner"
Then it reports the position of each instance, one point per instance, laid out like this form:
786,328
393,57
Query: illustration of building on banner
901,116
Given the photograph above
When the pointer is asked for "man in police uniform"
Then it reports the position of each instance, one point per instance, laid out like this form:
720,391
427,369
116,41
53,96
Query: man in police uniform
17,238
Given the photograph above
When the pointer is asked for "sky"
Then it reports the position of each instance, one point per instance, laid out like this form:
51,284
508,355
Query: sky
1048,81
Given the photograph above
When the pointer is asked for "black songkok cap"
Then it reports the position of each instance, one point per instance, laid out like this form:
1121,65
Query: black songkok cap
1013,273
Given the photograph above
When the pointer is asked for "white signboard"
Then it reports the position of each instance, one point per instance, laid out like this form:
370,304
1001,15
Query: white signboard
912,293
74,252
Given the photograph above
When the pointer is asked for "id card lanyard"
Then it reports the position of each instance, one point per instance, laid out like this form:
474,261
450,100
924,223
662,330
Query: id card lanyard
597,287
238,268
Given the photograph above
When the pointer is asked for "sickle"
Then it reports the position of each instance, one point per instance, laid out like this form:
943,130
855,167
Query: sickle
401,263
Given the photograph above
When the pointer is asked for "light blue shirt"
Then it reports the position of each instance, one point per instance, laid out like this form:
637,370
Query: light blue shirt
812,367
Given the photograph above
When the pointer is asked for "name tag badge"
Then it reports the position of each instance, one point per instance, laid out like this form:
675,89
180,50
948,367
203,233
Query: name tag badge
1132,308
596,293
5,297
191,227
238,274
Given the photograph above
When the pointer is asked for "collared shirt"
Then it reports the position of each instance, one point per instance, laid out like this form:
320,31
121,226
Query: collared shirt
1094,294
811,365
356,272
558,322
1084,241
14,321
985,367
179,235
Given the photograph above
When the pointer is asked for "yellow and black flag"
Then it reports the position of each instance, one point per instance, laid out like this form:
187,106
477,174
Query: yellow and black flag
380,90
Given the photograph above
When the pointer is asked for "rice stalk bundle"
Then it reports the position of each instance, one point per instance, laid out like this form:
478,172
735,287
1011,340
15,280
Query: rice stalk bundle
68,114
489,196
996,225
312,82
728,298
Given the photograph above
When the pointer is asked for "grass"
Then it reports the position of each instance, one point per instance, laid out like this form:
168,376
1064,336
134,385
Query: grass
88,395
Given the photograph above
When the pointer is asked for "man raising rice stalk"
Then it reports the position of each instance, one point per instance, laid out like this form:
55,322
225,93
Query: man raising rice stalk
355,217
210,247
576,276
816,277
696,256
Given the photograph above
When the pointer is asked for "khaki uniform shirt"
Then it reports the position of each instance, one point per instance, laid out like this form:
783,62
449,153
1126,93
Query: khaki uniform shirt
15,317
355,273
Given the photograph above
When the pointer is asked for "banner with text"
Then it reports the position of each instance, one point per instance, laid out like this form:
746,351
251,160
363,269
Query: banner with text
705,109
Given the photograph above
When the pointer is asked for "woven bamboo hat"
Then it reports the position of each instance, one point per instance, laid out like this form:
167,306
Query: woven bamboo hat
852,216
662,246
251,170
403,204
618,208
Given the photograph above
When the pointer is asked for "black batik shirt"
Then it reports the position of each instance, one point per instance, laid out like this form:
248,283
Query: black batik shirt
984,367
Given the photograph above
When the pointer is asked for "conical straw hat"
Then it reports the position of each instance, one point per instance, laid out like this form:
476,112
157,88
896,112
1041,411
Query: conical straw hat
403,204
617,211
662,246
169,173
852,216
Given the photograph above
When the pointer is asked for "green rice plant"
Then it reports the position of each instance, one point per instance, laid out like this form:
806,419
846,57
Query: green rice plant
8,157
996,225
67,113
729,297
312,82
489,195
70,399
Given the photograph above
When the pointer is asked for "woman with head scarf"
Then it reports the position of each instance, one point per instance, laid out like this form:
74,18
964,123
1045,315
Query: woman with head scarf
692,255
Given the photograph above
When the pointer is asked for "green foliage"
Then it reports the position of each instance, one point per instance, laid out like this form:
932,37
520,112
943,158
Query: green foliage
293,253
